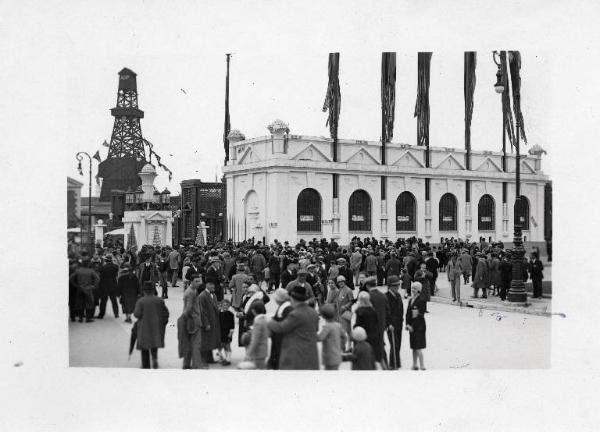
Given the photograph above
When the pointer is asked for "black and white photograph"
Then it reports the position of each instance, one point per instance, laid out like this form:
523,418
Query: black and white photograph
370,243
260,194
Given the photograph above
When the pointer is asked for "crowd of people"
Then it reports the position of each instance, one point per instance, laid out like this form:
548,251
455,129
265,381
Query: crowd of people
324,293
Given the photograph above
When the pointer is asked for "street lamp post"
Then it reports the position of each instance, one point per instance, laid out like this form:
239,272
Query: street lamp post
516,292
79,157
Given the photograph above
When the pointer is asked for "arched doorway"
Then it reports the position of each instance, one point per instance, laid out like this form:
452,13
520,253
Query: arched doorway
448,213
308,211
522,213
406,212
359,211
486,214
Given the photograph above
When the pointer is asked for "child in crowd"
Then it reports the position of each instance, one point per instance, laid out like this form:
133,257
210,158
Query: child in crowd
227,323
333,337
258,349
362,355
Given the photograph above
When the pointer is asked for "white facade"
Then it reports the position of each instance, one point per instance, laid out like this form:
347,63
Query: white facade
265,176
150,227
146,223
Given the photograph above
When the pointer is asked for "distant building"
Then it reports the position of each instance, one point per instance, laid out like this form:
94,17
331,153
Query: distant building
201,201
280,187
73,203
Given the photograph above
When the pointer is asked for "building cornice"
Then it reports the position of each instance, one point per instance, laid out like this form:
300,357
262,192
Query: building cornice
283,165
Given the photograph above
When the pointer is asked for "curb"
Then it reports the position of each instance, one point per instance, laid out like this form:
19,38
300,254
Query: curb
492,306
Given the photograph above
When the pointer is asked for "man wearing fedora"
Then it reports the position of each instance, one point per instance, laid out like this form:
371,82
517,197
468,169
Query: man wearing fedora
153,316
213,274
301,280
395,319
299,330
108,287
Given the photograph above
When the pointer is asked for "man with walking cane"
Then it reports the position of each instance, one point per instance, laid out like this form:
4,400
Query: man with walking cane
394,321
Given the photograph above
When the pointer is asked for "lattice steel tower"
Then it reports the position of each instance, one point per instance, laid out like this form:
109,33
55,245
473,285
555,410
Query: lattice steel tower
126,152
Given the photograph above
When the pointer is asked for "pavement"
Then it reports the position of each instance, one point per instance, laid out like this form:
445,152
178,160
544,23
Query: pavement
540,306
457,338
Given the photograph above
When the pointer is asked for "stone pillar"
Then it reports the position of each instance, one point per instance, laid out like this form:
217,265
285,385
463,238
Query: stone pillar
468,219
169,232
504,220
234,137
428,218
141,237
99,232
336,218
279,131
384,220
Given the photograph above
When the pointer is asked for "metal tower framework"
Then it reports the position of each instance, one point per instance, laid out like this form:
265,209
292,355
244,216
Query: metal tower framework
126,151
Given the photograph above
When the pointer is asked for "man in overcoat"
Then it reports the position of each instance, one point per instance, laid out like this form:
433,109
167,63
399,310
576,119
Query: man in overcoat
466,264
536,273
108,287
148,272
395,319
209,317
382,308
153,316
481,277
86,280
299,329
213,274
188,327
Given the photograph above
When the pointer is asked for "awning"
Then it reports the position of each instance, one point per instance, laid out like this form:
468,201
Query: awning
119,231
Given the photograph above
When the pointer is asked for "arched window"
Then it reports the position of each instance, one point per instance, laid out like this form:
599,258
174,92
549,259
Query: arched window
359,211
406,212
486,214
308,211
522,213
448,213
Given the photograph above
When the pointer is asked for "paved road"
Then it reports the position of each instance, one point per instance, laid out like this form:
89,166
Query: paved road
456,338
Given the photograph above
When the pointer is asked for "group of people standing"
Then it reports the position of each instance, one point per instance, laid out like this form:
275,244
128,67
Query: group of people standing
308,281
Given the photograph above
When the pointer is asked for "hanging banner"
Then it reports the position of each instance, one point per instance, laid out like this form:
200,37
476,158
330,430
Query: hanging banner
469,91
422,104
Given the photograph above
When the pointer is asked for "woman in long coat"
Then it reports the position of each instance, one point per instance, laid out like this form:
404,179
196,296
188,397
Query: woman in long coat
129,291
344,301
425,278
366,317
415,324
494,270
246,316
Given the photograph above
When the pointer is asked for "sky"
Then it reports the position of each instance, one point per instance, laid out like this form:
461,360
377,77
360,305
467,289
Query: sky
182,86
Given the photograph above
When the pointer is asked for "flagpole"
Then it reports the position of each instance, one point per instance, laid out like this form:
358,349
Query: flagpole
227,120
